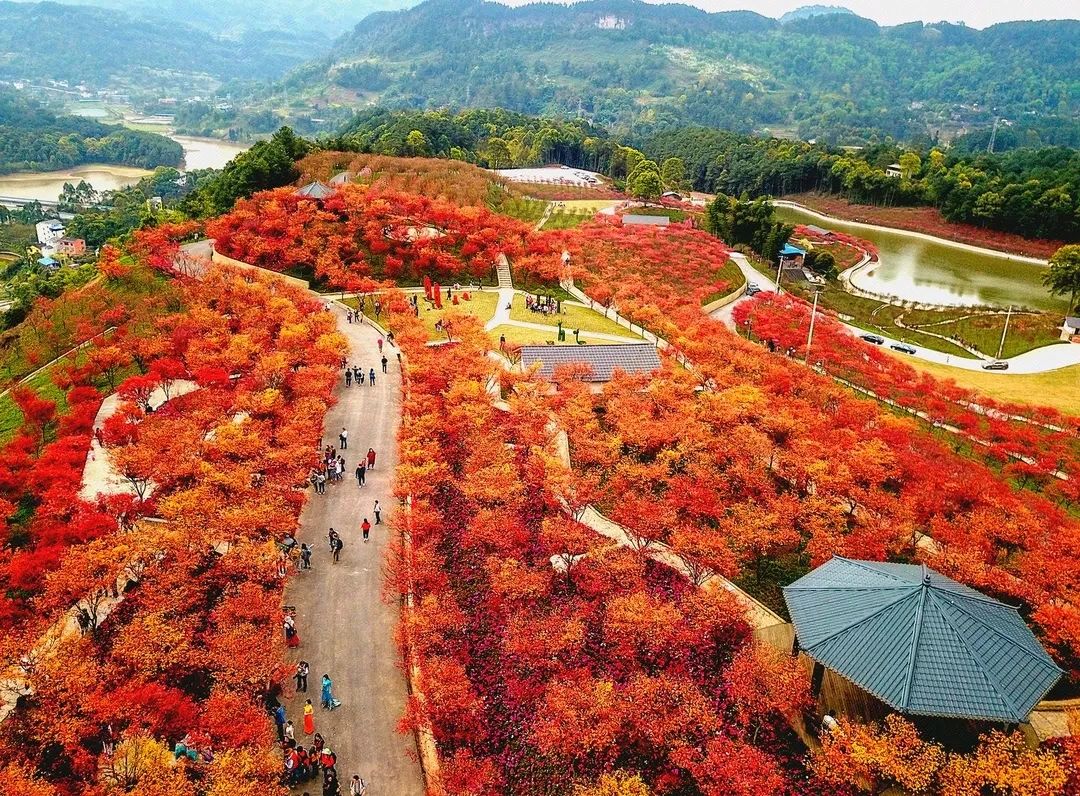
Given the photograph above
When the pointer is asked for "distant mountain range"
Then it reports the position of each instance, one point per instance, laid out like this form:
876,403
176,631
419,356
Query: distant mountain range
805,12
95,45
238,18
635,67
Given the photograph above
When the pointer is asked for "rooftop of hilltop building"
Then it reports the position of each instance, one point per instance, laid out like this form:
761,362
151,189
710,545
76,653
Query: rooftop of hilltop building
602,360
315,190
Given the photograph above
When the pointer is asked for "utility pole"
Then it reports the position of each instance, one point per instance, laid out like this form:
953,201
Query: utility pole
779,267
1005,331
810,335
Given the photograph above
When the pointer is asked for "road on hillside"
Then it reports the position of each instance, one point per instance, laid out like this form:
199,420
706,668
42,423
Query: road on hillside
345,628
1038,360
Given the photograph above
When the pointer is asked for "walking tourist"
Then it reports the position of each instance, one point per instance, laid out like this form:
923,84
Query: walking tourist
357,787
378,513
309,717
292,638
348,377
305,557
301,676
343,438
365,526
337,545
290,733
361,472
328,700
371,458
279,721
384,360
371,376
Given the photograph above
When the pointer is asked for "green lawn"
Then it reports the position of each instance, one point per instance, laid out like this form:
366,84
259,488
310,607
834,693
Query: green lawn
516,334
482,305
874,316
1056,388
567,219
572,316
982,330
1027,330
586,205
528,210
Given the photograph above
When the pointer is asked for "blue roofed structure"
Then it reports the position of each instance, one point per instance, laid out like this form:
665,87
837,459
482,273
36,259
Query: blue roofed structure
919,641
791,251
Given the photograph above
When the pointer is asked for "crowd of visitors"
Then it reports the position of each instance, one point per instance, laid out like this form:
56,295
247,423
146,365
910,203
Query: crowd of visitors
545,305
307,758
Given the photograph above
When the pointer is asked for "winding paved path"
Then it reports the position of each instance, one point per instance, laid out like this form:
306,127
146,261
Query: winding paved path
345,627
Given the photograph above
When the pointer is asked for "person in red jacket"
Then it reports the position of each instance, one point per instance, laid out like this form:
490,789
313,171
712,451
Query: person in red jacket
371,458
365,526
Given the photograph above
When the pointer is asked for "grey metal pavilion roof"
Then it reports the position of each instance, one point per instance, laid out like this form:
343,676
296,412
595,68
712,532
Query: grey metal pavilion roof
602,359
315,190
919,641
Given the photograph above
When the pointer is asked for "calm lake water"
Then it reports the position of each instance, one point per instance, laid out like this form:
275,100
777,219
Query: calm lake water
199,153
916,269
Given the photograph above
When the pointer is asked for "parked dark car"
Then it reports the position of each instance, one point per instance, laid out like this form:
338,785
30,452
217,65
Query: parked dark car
903,348
997,364
872,338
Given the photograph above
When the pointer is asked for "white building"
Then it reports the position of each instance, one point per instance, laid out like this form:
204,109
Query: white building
49,232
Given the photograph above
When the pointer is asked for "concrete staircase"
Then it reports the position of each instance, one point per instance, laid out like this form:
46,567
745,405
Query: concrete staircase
502,270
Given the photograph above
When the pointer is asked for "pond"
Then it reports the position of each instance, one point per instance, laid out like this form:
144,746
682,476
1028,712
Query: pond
936,271
45,186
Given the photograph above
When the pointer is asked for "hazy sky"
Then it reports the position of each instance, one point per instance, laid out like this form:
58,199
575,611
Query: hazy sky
976,13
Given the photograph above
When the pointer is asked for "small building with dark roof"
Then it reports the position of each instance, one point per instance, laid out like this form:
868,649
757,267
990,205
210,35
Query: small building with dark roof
820,232
921,643
601,360
315,190
1072,325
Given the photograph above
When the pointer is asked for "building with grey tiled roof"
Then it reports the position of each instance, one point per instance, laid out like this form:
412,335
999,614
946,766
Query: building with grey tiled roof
315,190
920,642
603,360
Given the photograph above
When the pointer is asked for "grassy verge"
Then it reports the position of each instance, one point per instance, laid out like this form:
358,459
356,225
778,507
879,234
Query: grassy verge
875,316
983,330
674,214
528,210
480,305
516,334
567,219
572,317
1056,389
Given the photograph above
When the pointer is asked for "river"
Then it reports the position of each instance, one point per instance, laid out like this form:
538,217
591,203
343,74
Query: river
935,271
199,153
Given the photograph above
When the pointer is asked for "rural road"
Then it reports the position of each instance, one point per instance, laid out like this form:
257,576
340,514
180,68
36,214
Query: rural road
345,627
1039,360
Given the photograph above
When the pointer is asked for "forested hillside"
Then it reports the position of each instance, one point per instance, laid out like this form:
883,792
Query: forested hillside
1031,192
34,139
240,17
638,67
76,43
